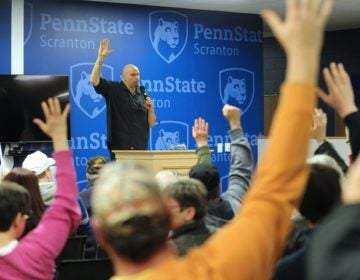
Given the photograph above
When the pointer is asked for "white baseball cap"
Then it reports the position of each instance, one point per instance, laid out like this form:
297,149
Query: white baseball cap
37,162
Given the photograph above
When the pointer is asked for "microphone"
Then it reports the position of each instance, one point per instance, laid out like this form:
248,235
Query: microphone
143,92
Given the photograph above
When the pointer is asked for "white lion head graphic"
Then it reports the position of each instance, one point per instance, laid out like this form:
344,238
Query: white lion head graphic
168,31
167,140
84,87
235,88
83,92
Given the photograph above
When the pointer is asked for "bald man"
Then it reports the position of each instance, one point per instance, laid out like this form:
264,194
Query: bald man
130,113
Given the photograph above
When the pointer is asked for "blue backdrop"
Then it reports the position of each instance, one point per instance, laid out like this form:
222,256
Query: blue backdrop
5,36
191,62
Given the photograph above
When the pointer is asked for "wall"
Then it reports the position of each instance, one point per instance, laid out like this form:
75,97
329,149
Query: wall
216,59
339,46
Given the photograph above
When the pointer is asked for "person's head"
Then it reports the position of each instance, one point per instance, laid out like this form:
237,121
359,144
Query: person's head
165,178
209,176
130,217
186,200
322,193
15,208
131,76
40,164
93,166
328,161
29,181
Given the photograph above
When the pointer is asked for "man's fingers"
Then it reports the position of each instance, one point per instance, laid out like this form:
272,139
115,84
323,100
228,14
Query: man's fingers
66,111
329,78
323,95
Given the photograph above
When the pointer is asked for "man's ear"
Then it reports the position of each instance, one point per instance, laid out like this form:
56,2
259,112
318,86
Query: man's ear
18,225
190,213
99,232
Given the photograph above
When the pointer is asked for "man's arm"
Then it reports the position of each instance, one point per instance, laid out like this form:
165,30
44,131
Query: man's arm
200,132
319,134
96,71
241,159
341,98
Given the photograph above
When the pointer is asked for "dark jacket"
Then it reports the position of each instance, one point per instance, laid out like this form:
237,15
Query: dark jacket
190,235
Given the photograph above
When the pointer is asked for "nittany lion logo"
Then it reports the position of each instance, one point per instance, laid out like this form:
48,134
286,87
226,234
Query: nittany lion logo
168,31
236,87
167,140
167,135
83,92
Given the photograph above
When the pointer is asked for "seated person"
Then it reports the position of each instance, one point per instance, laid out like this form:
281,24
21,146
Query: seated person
322,195
39,163
93,166
222,207
186,200
29,181
33,257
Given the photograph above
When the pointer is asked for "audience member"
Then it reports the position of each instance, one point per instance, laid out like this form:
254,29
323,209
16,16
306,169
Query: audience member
334,247
93,166
186,200
322,195
222,208
39,163
29,181
132,220
33,256
341,98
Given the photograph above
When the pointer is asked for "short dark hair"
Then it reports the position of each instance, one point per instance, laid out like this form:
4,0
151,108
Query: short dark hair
139,237
322,193
209,176
189,193
14,199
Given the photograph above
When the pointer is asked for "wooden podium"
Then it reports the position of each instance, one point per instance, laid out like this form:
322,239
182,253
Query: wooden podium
178,161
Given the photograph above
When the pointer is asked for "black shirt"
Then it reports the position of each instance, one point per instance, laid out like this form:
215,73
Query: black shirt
127,116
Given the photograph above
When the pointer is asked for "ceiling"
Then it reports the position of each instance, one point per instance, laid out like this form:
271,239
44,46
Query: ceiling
346,14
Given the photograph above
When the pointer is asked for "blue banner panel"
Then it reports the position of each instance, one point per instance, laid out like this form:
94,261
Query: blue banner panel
5,37
192,62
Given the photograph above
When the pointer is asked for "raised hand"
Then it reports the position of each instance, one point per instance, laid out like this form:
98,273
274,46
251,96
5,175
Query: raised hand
301,35
200,132
232,114
319,126
303,26
104,48
341,94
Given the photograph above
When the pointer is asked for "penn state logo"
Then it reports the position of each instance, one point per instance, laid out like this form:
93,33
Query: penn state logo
237,87
168,135
28,18
83,92
168,31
